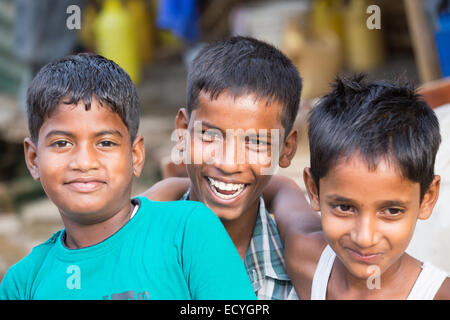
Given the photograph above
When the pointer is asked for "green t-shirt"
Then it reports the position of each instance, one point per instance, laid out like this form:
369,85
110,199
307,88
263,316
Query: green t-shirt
168,250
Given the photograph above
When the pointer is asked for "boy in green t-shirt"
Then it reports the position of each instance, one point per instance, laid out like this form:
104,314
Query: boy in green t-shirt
83,116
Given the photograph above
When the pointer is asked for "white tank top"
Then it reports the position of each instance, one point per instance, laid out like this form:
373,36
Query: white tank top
426,286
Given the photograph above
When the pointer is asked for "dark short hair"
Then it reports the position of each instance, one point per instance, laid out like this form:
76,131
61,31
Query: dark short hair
245,65
377,120
69,79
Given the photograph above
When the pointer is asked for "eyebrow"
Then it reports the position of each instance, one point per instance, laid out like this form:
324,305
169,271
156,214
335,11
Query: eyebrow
383,203
338,198
392,203
71,135
210,126
108,132
59,133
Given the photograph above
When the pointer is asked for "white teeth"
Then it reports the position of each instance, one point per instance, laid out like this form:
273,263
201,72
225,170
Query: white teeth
226,187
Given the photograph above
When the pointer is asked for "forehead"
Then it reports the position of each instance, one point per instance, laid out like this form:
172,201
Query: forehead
352,178
74,118
245,111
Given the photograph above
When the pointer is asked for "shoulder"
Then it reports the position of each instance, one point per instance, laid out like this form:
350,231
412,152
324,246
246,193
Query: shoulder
444,291
180,212
19,278
178,207
39,252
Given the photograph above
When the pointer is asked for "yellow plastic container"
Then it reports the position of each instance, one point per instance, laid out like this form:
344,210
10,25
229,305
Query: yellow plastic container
364,47
87,32
144,28
326,16
317,56
116,38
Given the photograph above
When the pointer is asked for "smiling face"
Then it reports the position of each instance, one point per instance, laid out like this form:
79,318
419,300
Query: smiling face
85,161
369,216
232,141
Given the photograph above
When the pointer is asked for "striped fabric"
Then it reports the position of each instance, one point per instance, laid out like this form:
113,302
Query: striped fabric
264,259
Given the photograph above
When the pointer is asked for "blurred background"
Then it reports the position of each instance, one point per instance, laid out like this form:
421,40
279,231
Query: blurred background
154,41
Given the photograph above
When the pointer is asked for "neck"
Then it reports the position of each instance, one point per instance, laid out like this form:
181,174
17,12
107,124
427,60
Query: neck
80,235
240,229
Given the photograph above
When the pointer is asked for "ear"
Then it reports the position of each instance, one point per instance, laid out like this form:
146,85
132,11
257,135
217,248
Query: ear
289,149
181,124
429,199
31,157
311,188
138,153
182,119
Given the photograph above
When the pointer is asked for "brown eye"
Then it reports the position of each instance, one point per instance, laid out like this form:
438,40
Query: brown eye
393,211
256,144
344,207
107,143
211,135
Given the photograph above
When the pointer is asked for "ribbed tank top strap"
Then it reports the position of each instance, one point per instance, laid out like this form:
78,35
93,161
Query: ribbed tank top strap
428,283
322,274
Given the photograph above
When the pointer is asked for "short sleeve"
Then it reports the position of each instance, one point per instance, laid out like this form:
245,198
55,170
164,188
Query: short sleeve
18,281
10,287
212,266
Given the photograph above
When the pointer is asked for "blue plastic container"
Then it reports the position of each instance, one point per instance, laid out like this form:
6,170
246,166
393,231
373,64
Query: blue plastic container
443,43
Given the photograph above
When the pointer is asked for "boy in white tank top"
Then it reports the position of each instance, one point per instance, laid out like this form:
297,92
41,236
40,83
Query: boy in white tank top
373,147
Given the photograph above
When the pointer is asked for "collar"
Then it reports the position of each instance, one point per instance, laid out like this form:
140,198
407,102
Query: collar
265,255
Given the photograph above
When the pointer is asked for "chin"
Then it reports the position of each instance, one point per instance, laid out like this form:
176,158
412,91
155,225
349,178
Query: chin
83,208
223,213
228,215
83,211
362,271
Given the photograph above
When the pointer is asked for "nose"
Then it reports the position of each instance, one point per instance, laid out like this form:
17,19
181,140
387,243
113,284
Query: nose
364,233
84,158
232,157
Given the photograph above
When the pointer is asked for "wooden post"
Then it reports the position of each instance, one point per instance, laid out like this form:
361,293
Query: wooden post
423,41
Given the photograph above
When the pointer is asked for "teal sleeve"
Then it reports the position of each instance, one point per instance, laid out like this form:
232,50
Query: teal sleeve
18,281
211,263
10,287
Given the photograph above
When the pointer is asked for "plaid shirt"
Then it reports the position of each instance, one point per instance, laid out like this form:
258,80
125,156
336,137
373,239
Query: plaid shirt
264,259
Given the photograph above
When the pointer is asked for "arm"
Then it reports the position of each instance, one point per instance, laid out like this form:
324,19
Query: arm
169,189
444,291
211,262
293,213
300,231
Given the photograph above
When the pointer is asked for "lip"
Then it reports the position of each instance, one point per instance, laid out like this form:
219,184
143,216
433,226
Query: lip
219,200
85,185
226,180
364,257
